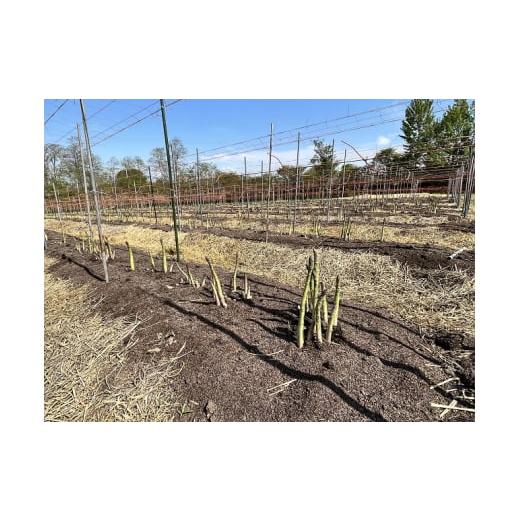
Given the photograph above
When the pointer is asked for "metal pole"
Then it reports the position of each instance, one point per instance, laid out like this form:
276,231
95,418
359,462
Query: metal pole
94,191
297,181
118,210
89,220
57,203
470,182
80,209
199,194
242,185
262,180
330,182
174,210
67,204
153,196
178,188
136,202
174,174
269,183
343,177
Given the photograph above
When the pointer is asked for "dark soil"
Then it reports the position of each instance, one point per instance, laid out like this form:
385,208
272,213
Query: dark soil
454,341
462,348
377,369
454,224
414,255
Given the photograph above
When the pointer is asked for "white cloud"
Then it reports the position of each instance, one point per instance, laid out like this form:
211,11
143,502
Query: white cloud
225,161
254,158
383,141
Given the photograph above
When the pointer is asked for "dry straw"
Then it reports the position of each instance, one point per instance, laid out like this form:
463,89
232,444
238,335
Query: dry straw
433,298
88,375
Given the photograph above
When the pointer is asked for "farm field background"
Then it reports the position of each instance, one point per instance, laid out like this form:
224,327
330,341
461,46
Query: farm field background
324,291
270,293
411,312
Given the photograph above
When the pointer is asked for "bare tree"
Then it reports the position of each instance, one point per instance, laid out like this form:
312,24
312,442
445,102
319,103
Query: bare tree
158,164
53,154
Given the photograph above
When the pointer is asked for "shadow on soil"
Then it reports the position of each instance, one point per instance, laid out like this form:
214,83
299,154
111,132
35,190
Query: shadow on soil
296,374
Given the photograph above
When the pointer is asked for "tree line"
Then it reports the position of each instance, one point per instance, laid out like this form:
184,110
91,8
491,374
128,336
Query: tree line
428,142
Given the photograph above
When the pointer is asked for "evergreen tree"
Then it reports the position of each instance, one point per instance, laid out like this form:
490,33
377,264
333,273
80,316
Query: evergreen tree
322,160
126,178
456,132
387,157
419,130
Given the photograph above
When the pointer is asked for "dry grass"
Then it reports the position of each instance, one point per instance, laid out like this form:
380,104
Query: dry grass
137,236
403,235
370,231
442,299
364,227
87,373
360,230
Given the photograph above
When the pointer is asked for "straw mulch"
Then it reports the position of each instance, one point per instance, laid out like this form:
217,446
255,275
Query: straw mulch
441,299
88,376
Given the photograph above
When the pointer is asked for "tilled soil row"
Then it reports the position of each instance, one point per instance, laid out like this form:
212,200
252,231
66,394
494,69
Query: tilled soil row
242,363
414,255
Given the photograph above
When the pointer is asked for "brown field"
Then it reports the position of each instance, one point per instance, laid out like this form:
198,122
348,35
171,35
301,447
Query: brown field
149,346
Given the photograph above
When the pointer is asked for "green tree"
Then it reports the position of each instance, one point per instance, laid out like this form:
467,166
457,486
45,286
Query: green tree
419,130
126,178
349,168
322,160
288,173
456,132
227,178
387,157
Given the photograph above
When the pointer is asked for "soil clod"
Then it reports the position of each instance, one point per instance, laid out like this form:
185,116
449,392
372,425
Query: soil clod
210,409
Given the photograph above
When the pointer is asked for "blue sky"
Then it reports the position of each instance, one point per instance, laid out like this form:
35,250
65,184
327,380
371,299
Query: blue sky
369,125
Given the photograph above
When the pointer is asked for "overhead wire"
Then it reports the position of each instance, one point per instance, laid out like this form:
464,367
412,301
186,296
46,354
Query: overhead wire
326,121
305,138
134,123
89,118
55,112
